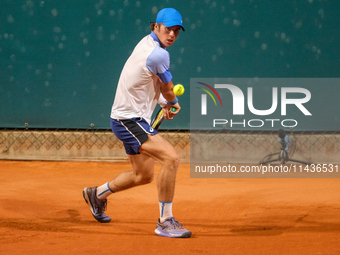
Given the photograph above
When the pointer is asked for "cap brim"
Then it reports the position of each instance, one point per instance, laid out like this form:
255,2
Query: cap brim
174,24
171,25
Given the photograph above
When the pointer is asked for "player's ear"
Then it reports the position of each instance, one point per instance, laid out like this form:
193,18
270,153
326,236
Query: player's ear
157,26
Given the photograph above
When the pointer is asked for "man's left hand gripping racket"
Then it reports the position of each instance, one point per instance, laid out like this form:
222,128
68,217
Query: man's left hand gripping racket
159,118
178,90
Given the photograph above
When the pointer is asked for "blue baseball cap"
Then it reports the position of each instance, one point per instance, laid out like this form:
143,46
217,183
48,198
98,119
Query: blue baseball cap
170,17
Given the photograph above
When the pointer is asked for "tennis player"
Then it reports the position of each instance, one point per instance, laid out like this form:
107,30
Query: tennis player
284,139
145,81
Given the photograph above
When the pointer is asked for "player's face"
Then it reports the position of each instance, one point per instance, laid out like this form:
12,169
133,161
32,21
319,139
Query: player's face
166,35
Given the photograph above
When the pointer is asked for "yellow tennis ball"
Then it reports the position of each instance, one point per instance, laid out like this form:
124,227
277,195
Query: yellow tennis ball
179,89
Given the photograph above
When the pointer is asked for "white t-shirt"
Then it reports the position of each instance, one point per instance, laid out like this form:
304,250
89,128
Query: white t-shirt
138,89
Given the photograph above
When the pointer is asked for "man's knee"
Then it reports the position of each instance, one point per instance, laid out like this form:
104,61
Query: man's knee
173,160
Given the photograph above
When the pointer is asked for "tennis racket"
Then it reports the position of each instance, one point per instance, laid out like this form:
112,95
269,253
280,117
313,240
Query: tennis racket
157,121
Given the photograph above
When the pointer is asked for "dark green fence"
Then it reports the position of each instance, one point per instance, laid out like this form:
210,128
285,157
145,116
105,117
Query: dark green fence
60,61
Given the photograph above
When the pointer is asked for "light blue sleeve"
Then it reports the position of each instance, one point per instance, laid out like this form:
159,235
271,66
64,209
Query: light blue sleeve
158,63
287,139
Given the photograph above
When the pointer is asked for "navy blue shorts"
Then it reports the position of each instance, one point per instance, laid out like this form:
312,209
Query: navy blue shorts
132,132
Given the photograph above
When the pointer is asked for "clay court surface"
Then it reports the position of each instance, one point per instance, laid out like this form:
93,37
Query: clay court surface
43,212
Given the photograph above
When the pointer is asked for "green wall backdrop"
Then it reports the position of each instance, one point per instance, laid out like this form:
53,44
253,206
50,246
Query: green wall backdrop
60,61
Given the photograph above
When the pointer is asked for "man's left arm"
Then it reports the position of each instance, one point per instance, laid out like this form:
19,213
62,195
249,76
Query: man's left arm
172,101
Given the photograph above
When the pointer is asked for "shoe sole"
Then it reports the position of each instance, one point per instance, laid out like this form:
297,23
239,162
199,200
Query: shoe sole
184,235
87,200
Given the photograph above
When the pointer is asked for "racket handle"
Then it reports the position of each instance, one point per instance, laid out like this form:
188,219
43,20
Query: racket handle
173,109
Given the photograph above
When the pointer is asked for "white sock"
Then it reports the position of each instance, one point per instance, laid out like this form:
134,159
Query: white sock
165,209
104,191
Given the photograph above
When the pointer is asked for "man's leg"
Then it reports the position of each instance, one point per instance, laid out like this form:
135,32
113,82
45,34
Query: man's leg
141,173
162,151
